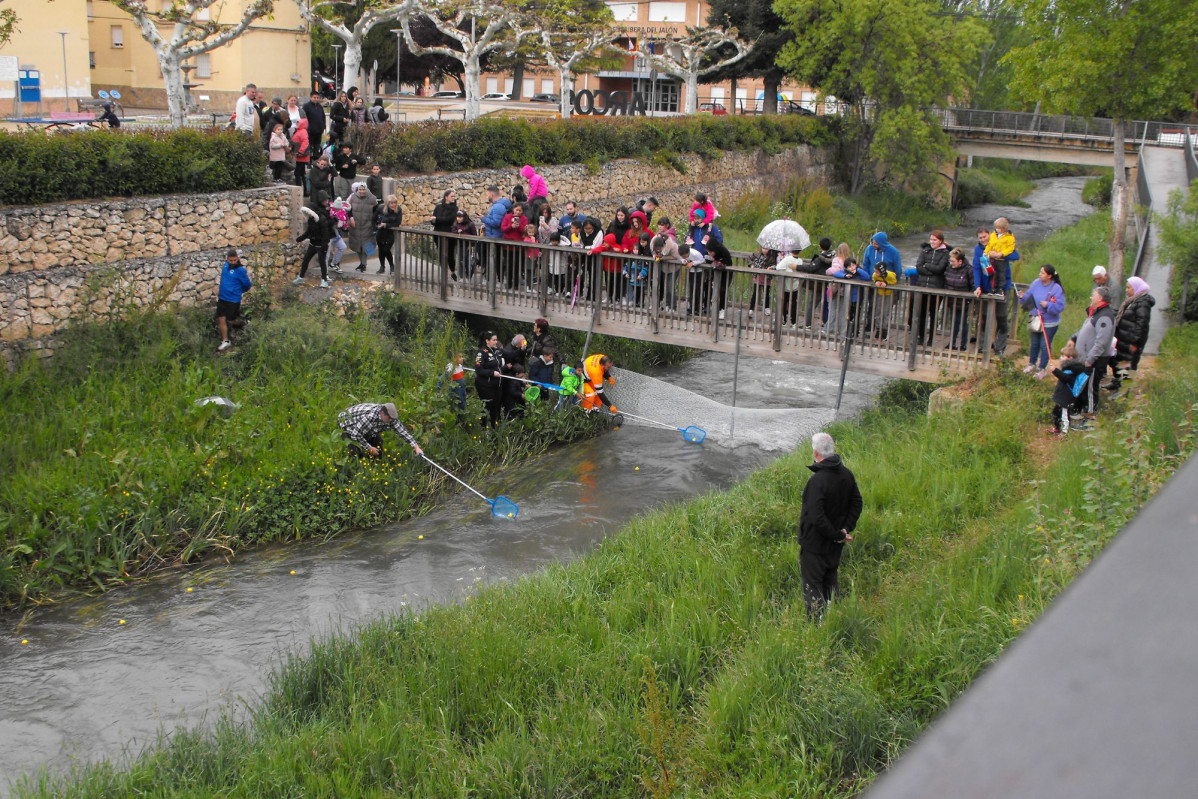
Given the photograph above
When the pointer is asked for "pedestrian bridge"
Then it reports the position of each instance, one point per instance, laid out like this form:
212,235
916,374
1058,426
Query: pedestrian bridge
816,320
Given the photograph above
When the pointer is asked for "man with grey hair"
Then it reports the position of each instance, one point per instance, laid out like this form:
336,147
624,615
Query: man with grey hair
831,506
363,425
245,113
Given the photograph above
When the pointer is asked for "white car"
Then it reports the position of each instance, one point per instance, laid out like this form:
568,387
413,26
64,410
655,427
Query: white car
496,96
446,95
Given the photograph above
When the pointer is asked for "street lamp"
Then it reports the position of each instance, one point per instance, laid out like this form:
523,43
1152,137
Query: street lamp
336,67
66,84
398,52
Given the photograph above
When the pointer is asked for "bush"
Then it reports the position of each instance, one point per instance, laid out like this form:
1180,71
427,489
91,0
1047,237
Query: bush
496,142
36,168
975,188
1097,191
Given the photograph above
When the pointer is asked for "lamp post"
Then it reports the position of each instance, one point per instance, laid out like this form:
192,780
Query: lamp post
337,67
398,53
66,84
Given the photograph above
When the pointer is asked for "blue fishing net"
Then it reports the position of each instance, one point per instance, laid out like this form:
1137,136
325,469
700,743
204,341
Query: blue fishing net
695,435
504,508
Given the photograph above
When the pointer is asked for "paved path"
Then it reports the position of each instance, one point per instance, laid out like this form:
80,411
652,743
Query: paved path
1165,170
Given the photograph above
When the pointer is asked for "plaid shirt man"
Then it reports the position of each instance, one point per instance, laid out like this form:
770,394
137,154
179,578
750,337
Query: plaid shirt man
364,424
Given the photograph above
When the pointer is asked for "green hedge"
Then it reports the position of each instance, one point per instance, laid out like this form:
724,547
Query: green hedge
498,142
36,168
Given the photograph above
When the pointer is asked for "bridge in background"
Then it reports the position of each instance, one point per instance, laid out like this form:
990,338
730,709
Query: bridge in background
703,308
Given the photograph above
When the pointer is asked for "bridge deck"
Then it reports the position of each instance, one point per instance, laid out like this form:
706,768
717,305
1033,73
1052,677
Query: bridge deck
683,308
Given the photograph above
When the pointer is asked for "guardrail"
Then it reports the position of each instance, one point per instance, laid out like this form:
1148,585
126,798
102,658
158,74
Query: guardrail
1167,134
933,331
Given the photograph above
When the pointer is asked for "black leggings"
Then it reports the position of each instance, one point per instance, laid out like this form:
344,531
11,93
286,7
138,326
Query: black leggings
385,241
315,249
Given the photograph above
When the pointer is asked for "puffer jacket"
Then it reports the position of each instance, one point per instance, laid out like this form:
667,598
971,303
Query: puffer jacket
1131,323
930,267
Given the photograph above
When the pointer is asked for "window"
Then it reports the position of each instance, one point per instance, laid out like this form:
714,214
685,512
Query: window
717,94
667,12
529,88
547,86
492,86
118,36
623,12
91,59
507,85
662,94
204,65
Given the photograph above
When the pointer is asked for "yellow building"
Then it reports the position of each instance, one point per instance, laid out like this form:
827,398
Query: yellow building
274,53
50,47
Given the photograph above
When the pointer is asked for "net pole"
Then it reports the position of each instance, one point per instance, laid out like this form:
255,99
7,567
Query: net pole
735,375
844,364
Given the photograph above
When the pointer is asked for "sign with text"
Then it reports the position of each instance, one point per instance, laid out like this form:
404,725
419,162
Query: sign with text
605,103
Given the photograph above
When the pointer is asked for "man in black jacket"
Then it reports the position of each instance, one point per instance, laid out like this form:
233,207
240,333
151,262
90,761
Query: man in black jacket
831,507
318,232
314,111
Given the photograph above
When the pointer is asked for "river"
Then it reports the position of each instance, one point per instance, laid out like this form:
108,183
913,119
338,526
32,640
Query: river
100,677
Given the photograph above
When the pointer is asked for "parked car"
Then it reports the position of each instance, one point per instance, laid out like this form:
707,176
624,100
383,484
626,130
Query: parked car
495,96
446,95
544,98
716,109
792,107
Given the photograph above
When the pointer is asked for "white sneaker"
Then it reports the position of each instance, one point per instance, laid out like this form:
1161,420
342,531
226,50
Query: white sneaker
1027,370
224,345
299,281
324,284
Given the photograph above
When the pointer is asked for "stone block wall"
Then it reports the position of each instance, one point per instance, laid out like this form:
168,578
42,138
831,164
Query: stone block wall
109,231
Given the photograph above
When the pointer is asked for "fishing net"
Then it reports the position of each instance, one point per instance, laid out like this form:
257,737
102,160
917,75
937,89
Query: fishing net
532,393
504,508
701,418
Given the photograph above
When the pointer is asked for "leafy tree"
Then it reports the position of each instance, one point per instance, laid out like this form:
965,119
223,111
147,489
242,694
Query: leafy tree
691,58
887,66
757,22
1125,59
575,36
8,24
476,28
991,75
350,21
186,36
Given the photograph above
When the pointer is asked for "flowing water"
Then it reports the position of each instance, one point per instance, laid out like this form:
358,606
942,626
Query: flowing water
87,686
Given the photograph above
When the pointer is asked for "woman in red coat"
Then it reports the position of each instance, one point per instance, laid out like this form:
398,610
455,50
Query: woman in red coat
512,229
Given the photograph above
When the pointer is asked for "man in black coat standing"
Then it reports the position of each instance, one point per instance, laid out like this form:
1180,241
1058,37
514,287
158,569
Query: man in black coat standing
831,507
314,112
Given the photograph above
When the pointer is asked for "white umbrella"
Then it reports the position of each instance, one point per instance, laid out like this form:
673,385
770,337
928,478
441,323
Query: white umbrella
784,235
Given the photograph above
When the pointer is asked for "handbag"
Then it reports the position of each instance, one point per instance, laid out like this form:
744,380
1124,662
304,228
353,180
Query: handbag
1036,323
369,248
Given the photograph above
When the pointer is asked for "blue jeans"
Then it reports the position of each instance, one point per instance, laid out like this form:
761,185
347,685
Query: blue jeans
1038,349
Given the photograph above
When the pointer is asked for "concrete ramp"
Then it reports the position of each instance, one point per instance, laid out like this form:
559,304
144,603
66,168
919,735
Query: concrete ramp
1164,170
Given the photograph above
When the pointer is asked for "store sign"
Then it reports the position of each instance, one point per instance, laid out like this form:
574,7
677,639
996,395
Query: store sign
605,103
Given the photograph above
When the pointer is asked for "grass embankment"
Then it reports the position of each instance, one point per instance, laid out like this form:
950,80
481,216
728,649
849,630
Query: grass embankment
997,180
113,470
677,659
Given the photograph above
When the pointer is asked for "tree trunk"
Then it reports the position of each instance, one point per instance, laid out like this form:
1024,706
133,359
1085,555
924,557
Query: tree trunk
691,101
517,80
176,95
1120,202
769,104
353,64
470,84
567,83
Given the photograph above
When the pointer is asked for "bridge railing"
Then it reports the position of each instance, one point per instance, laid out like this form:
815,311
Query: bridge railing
1169,134
622,294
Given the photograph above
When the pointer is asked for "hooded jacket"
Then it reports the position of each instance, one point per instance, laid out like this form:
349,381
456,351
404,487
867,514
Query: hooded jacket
319,229
536,183
885,254
1131,323
493,219
831,503
930,266
303,151
1094,338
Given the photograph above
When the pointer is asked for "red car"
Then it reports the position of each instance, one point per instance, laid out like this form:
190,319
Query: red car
717,109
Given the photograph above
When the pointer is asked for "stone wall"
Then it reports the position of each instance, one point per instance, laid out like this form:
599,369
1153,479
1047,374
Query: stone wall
109,231
623,181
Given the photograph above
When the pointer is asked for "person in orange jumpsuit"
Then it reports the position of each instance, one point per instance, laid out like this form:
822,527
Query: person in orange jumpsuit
596,375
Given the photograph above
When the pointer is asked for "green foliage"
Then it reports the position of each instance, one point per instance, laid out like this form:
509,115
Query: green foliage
36,168
676,659
1179,246
896,67
497,141
1097,191
991,185
115,471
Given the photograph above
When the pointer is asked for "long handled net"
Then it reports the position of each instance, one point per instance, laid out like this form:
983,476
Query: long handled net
501,506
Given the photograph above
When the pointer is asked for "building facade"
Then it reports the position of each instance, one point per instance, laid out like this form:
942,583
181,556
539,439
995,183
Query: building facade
50,49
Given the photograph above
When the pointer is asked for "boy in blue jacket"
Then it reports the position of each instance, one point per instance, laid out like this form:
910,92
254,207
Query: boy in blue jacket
234,281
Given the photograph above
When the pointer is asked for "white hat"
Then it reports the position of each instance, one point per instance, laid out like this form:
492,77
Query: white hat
1098,271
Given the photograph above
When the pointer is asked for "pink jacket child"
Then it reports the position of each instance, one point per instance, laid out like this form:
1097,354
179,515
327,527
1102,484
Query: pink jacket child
536,183
703,204
339,212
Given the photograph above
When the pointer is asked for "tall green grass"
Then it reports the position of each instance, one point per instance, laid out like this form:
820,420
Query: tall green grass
115,471
677,658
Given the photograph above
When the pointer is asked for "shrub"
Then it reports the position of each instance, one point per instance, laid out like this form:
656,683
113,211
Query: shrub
1097,191
35,168
496,141
975,188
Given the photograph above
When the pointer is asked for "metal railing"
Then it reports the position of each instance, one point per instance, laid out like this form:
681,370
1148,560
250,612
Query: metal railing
1191,156
1139,133
932,330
